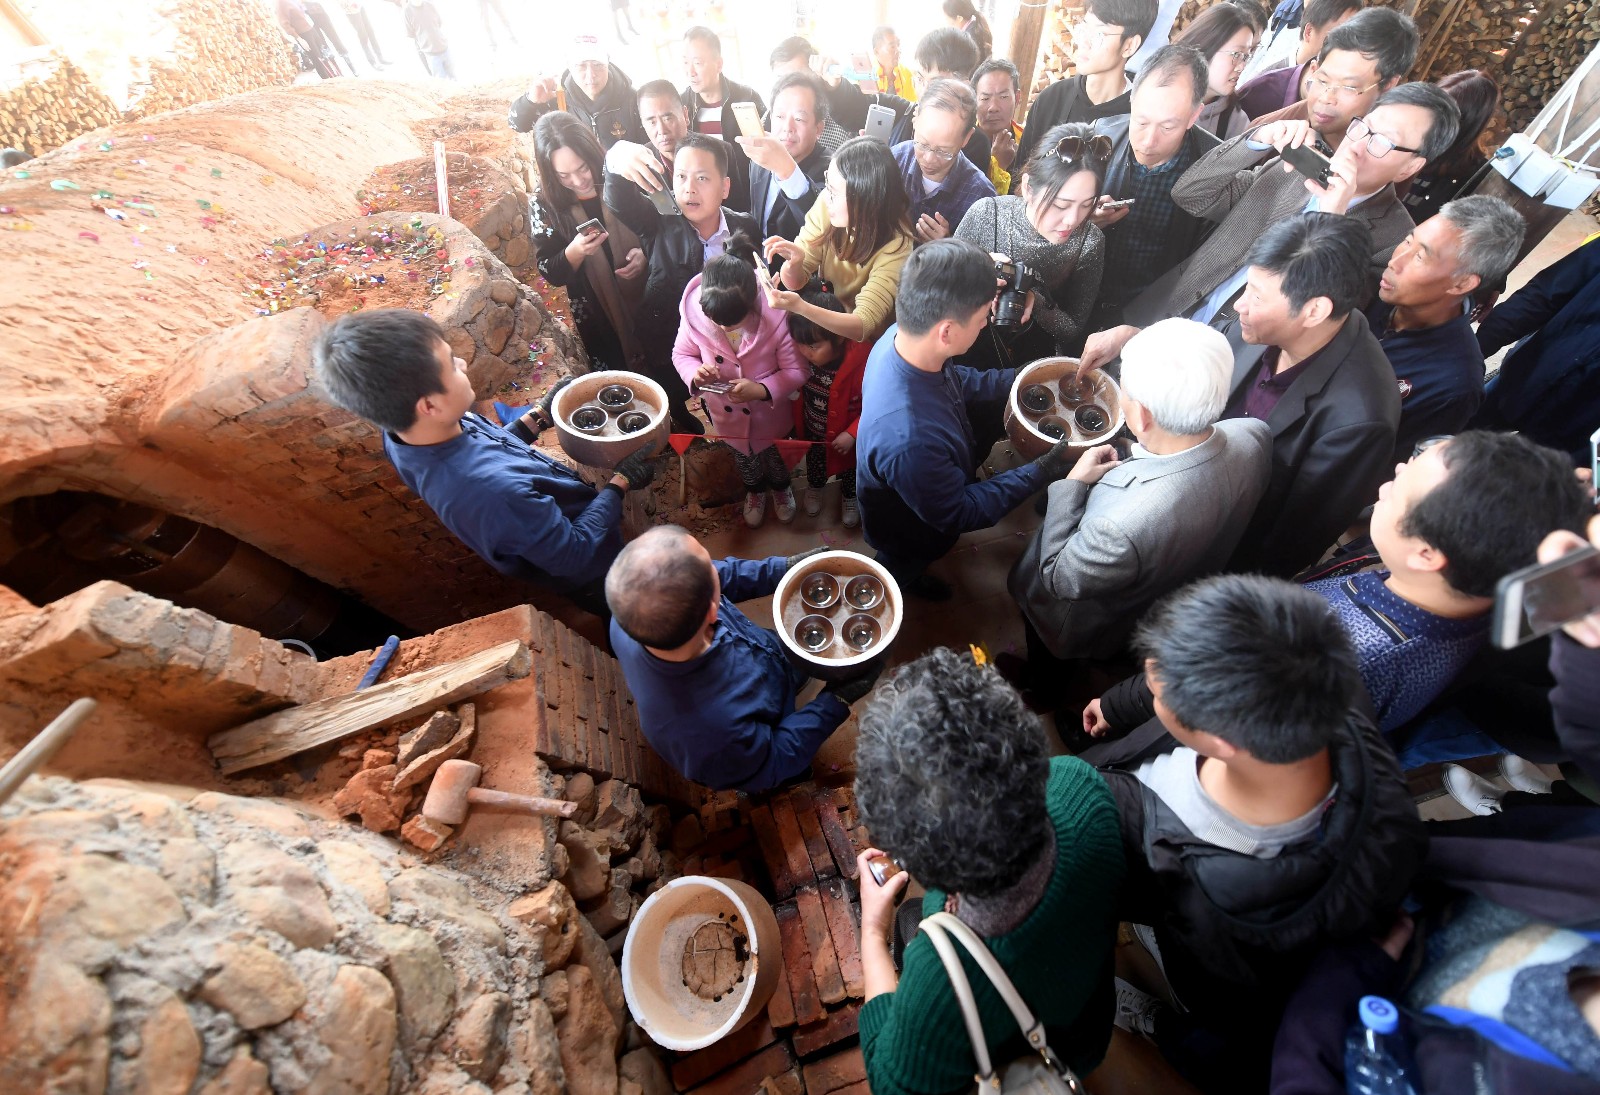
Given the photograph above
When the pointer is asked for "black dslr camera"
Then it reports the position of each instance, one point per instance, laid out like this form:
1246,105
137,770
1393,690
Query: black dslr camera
1012,298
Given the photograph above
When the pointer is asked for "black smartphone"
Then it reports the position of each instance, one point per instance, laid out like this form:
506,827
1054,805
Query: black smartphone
591,228
1536,600
1309,162
664,202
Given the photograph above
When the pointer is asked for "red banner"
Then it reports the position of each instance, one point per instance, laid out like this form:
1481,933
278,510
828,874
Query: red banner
790,449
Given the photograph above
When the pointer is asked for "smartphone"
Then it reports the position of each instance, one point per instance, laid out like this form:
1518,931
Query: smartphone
720,387
1594,465
880,122
1310,163
749,119
1536,600
1123,204
591,228
664,202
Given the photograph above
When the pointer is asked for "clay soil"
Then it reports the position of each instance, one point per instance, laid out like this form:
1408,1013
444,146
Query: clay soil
395,187
401,270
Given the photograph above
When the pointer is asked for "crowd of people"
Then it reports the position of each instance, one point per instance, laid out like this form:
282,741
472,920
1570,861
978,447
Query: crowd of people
1254,614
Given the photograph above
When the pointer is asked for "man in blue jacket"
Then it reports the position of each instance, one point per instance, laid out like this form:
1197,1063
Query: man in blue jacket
715,691
916,464
525,514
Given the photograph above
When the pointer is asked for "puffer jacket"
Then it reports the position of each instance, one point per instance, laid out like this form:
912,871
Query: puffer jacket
614,116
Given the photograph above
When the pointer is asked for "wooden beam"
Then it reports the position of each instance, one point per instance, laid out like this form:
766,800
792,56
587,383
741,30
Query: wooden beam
1026,31
322,721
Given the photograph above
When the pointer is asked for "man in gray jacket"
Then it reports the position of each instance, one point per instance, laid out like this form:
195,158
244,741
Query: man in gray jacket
1119,534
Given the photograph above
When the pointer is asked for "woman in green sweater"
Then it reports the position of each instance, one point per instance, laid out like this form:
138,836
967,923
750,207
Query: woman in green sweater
954,782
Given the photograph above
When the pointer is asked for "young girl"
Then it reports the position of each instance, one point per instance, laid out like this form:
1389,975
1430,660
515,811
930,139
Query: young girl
734,351
829,406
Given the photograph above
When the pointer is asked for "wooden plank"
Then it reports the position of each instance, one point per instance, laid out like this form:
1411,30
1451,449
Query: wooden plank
835,1073
745,1077
797,964
841,1023
824,963
697,1067
846,940
766,827
794,845
286,733
839,842
805,812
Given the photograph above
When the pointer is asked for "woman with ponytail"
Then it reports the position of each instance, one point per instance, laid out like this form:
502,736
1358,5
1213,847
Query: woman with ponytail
735,353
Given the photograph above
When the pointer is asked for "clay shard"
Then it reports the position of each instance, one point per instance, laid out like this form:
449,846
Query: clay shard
426,764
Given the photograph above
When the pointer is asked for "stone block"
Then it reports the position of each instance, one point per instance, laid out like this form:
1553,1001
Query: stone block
424,986
549,914
587,1035
252,984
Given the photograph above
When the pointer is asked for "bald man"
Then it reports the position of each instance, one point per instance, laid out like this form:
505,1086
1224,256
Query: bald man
715,691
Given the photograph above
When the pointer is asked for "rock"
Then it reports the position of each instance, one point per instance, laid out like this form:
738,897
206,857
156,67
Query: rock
169,1051
479,1042
278,893
255,986
548,914
504,291
109,900
371,794
616,907
146,811
426,764
65,1023
534,1046
516,251
253,812
687,834
190,868
242,1075
580,789
444,898
498,328
648,856
440,728
628,1087
642,1067
588,874
660,822
353,866
461,344
377,758
355,1019
619,812
591,952
424,986
424,833
560,860
587,1036
553,990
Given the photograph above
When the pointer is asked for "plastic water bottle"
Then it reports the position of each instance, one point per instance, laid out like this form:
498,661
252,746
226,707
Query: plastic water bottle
1371,1066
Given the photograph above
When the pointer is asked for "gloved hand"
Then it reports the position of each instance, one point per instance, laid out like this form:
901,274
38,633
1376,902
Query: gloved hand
1058,461
638,469
546,414
789,563
853,688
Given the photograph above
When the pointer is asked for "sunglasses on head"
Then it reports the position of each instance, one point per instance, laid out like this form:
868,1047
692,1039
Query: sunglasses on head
1071,149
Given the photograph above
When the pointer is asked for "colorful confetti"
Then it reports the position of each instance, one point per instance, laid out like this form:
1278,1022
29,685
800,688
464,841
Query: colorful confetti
63,184
90,236
216,172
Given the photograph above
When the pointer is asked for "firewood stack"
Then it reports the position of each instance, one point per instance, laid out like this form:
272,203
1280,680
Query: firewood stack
223,47
42,114
1055,45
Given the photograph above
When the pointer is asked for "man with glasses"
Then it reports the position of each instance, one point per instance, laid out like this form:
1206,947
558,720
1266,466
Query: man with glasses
1276,81
941,183
1108,34
944,53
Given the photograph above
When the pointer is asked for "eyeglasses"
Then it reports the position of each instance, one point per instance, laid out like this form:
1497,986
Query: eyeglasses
1100,30
937,153
1233,53
1379,145
1428,443
1340,91
1098,148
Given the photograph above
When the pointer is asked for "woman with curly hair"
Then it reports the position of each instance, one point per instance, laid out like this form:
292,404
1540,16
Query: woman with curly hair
956,785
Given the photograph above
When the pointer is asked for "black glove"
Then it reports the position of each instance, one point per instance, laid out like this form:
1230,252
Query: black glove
1058,461
546,414
853,688
789,563
638,469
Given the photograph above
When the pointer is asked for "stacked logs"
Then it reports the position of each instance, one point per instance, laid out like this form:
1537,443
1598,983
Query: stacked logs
46,113
1055,44
224,47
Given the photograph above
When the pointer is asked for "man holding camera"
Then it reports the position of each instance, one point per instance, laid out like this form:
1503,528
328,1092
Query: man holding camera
916,460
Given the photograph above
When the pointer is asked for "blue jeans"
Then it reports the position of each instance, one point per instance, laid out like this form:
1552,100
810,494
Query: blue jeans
1449,735
439,65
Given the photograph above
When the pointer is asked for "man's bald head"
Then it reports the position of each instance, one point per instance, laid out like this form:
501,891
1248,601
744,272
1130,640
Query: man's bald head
661,588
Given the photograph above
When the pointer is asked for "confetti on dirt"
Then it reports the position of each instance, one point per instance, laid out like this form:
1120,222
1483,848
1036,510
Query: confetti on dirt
398,266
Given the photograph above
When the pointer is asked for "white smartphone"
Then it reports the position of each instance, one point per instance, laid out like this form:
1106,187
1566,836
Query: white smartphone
749,119
1123,204
880,122
1536,600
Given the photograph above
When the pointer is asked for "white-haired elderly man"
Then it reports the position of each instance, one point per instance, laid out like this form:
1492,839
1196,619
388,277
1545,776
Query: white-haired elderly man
1120,533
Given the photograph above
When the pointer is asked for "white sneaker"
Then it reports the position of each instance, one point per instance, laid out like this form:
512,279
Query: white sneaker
1476,794
755,508
852,513
783,504
1524,775
1137,1010
813,499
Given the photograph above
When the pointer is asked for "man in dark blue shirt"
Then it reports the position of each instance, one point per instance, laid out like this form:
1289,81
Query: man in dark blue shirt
527,515
1421,314
915,463
715,691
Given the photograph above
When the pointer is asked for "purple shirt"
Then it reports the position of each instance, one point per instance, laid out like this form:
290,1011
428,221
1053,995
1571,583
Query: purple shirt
1271,91
1258,397
964,185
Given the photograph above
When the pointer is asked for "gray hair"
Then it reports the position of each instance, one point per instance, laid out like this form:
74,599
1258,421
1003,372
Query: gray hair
956,96
1181,372
1171,61
951,769
1491,236
1430,97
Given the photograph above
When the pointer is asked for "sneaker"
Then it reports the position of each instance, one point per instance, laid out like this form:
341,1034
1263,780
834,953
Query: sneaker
755,508
1476,794
783,504
1137,1010
852,513
1524,775
813,499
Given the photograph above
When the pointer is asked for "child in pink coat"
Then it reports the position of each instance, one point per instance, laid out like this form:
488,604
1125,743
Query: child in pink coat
735,353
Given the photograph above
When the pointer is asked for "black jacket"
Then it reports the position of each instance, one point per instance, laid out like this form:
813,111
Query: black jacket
788,215
1237,932
613,117
1333,437
732,92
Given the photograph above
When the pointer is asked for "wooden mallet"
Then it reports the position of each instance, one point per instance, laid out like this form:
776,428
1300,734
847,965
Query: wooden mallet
455,788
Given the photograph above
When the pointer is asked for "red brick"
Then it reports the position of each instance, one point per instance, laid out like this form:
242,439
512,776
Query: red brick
824,963
797,964
701,1065
835,1073
842,930
766,829
745,1078
844,852
780,1009
840,1024
805,812
794,845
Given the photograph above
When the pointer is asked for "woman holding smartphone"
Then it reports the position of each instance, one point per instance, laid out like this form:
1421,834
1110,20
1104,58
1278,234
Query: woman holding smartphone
857,237
583,245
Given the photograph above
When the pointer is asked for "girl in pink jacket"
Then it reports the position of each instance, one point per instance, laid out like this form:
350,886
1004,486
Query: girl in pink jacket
735,353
